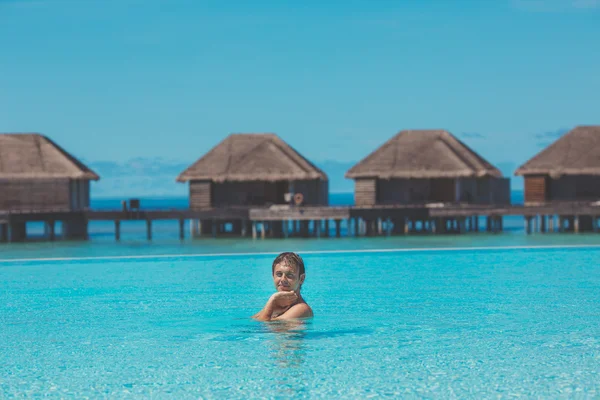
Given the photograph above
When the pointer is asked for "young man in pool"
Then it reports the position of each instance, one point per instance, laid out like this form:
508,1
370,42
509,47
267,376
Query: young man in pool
287,302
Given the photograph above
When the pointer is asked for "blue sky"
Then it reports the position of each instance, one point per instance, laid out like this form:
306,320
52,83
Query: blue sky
158,83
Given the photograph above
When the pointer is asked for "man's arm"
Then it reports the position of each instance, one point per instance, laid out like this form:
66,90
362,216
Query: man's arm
266,312
301,310
276,302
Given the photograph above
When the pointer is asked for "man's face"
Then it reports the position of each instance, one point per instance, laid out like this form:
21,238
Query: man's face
286,279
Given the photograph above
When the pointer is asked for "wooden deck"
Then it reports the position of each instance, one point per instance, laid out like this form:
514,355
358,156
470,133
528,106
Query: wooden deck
286,221
526,211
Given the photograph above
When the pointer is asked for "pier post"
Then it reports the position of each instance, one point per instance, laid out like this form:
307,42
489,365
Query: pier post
326,228
181,228
3,233
500,223
475,223
550,223
49,229
244,228
595,224
349,227
285,227
317,227
379,226
17,231
576,223
528,225
263,230
213,228
338,231
117,230
561,224
440,225
488,223
388,227
149,229
396,225
413,225
193,231
304,228
406,227
254,230
462,223
543,225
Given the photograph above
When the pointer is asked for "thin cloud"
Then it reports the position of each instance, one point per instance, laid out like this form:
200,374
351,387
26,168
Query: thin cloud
555,5
551,134
472,135
545,139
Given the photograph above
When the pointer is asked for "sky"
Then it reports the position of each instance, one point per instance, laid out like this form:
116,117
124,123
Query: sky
139,89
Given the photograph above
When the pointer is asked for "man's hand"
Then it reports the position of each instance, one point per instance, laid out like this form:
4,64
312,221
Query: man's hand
284,299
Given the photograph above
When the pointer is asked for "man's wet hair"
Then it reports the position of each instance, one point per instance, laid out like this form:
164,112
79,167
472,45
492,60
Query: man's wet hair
290,259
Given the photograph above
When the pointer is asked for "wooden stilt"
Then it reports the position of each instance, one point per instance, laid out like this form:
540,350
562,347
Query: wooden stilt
49,228
543,223
4,232
462,225
149,229
254,230
181,229
117,230
528,225
338,230
576,224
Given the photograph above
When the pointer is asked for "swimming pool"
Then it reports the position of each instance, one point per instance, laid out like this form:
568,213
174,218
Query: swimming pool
462,323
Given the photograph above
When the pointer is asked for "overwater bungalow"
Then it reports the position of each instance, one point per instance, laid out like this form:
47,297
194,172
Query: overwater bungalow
417,167
568,170
254,170
38,177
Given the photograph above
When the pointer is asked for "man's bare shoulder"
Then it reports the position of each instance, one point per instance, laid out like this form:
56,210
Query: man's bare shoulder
302,309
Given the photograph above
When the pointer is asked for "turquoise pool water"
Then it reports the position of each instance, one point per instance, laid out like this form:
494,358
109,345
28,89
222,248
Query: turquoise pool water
461,323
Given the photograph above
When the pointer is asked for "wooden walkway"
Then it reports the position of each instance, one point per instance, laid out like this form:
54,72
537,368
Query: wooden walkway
286,221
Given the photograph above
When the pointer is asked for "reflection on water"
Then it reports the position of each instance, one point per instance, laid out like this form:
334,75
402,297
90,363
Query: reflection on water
288,350
287,342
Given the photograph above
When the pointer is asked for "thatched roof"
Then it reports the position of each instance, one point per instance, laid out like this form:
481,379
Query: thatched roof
423,154
34,156
575,153
252,157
